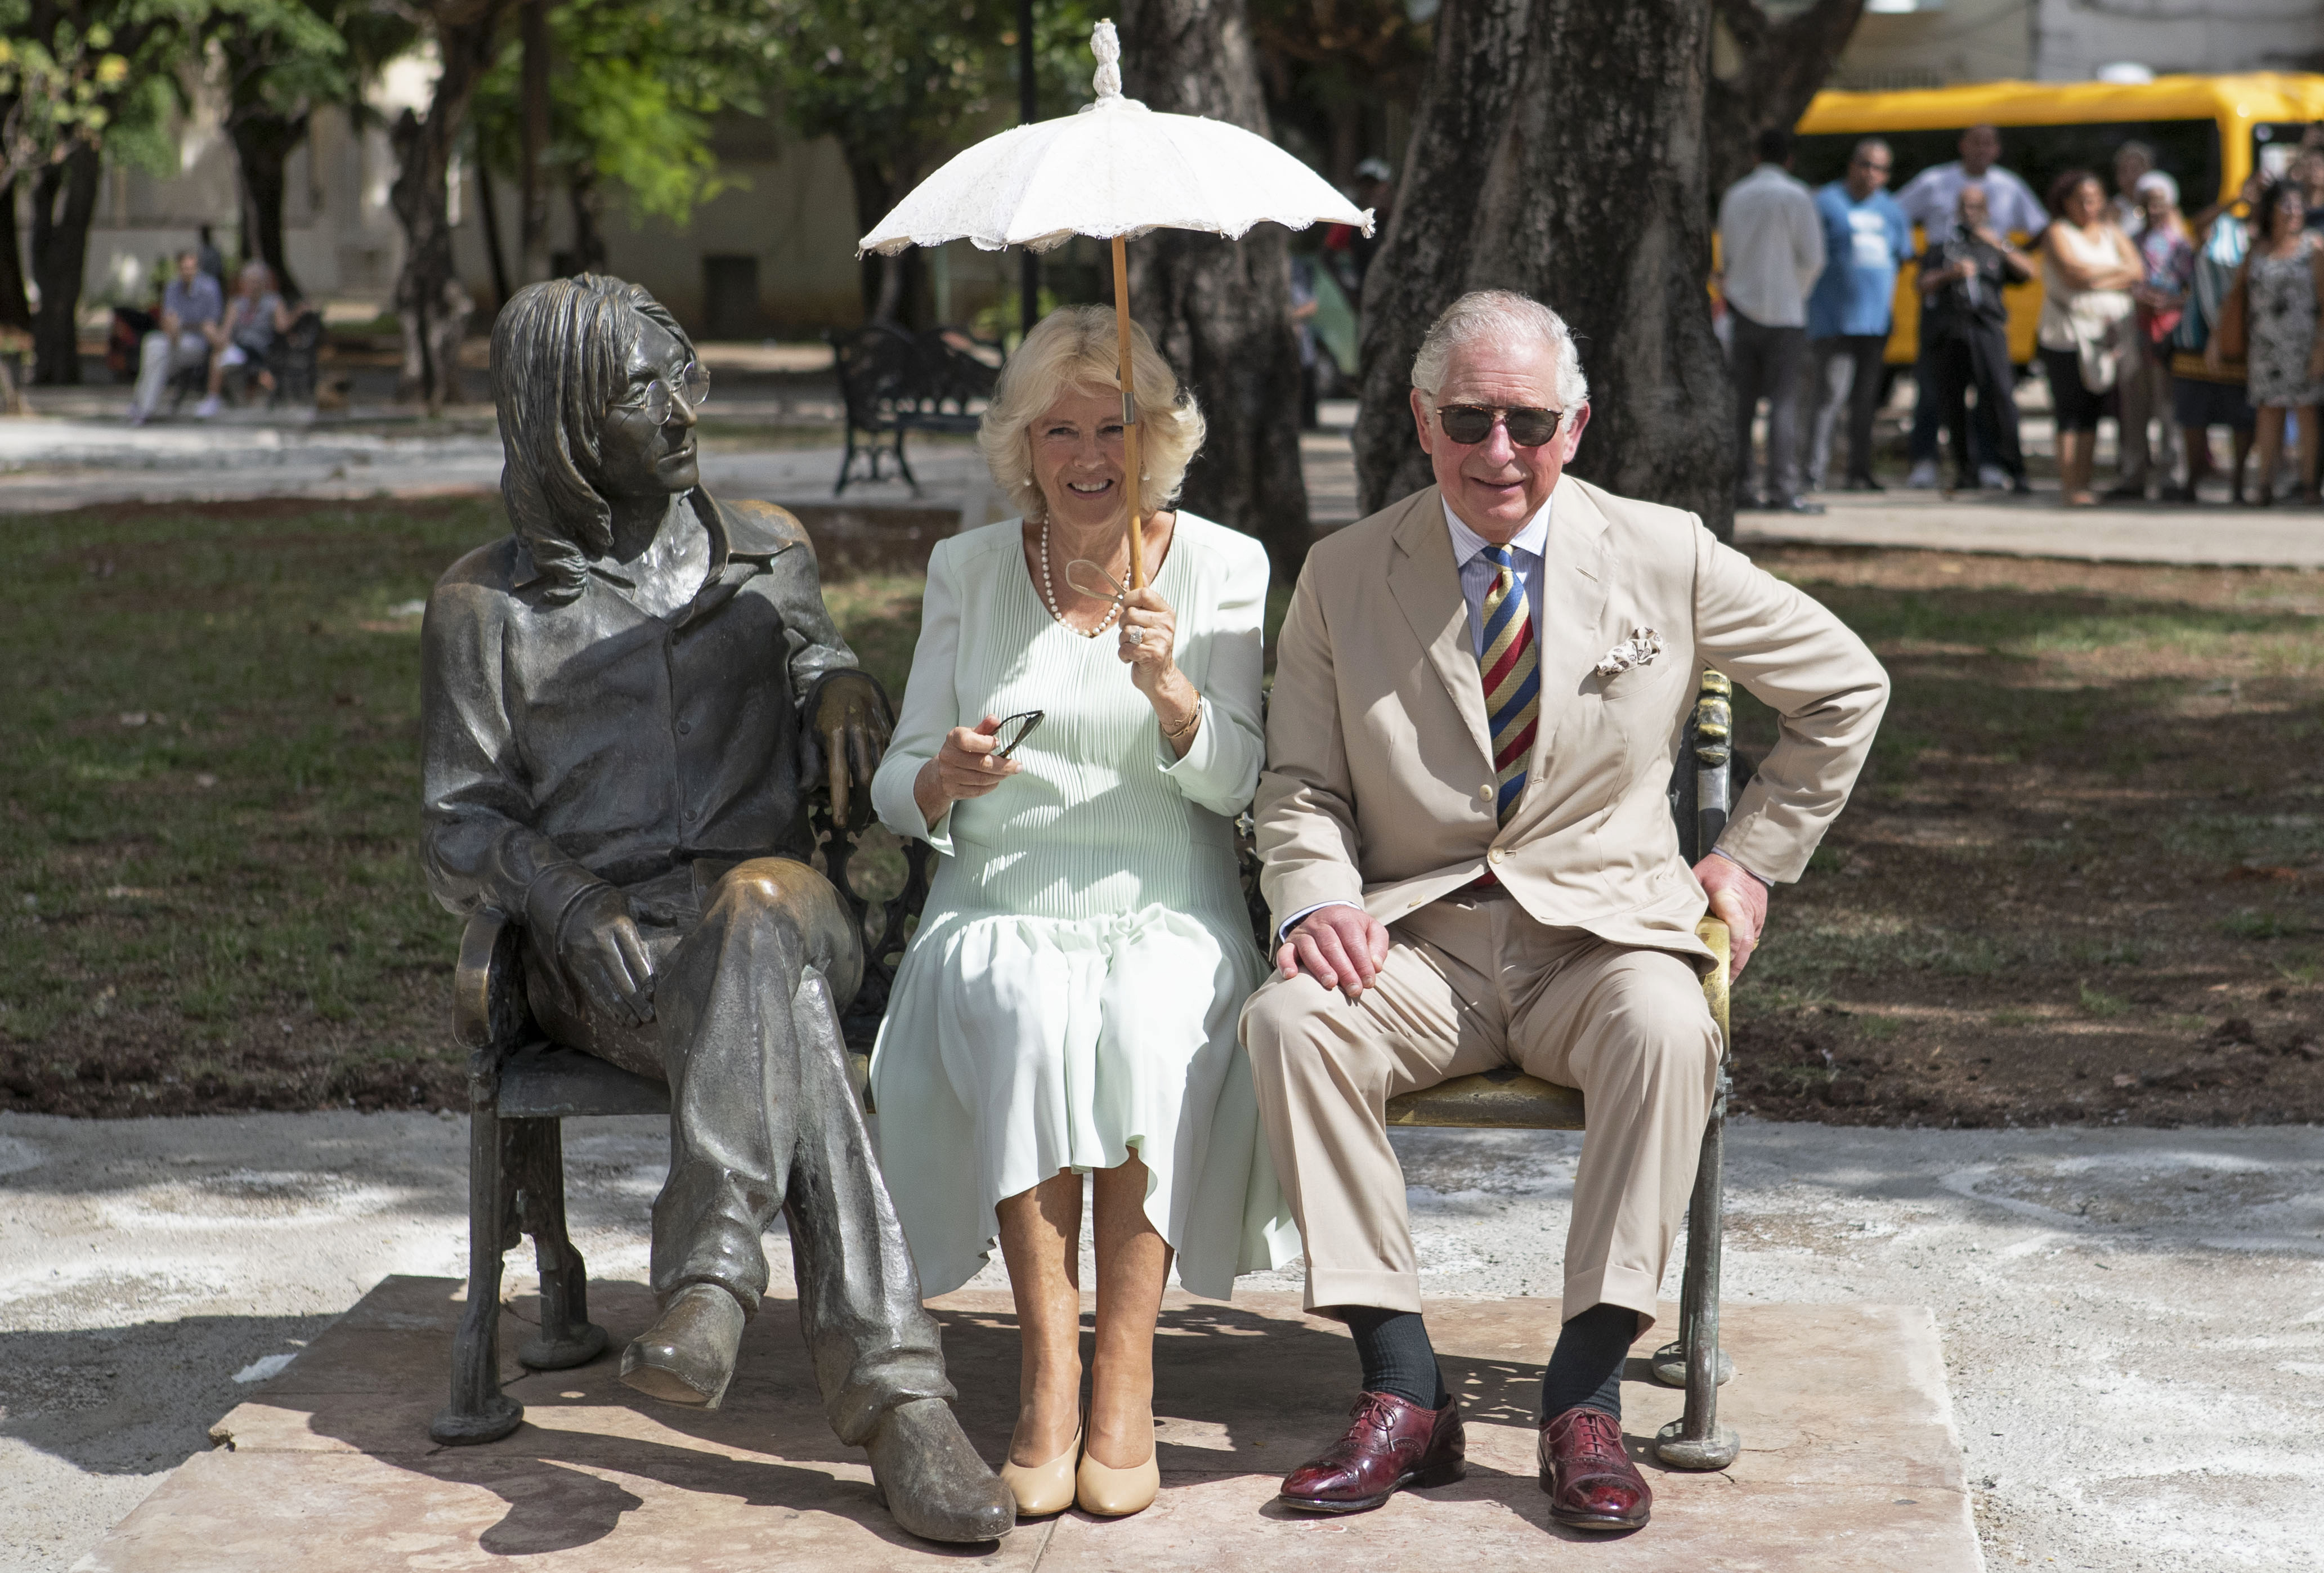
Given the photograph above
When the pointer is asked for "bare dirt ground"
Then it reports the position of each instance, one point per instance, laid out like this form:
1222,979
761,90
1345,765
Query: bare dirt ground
2083,881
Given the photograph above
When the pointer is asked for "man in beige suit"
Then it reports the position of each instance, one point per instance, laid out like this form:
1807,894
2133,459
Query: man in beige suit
1470,861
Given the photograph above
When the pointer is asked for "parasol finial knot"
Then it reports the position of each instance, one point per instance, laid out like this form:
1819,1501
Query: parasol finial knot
1105,43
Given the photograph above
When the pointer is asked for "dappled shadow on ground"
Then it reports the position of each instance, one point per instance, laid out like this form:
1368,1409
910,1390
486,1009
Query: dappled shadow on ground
1238,1393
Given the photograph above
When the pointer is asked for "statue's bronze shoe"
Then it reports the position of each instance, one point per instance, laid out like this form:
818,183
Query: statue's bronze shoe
687,1355
933,1481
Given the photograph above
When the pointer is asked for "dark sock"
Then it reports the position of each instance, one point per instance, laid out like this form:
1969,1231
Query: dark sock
1396,1354
1585,1369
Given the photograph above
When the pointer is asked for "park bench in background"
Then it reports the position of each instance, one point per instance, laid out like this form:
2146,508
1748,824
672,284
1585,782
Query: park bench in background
894,382
523,1087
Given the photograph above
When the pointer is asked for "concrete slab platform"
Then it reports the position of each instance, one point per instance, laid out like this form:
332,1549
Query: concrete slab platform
1849,1459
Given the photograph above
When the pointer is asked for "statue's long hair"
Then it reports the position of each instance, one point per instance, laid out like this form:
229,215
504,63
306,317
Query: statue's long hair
560,353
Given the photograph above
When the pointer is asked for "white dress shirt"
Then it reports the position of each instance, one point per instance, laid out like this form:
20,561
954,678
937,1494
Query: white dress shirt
1527,548
1931,199
1770,247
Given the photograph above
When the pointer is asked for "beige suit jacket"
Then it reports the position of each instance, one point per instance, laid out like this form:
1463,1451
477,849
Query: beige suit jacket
1379,785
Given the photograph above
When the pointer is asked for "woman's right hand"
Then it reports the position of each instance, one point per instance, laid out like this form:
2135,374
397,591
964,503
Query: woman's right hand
963,767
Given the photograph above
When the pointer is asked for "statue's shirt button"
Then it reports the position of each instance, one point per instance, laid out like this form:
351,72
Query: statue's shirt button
683,727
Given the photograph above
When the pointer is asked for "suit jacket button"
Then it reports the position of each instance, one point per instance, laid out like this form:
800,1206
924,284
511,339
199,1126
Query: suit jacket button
1486,792
1496,855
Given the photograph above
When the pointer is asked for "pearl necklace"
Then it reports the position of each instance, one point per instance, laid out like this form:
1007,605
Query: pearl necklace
1049,593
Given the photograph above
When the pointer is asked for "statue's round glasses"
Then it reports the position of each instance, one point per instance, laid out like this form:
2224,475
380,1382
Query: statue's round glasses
1469,424
654,400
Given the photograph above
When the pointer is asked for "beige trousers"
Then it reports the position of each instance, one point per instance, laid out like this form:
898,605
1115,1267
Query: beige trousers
1472,983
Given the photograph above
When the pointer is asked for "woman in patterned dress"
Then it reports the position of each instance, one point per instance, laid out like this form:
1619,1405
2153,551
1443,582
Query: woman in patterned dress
2283,279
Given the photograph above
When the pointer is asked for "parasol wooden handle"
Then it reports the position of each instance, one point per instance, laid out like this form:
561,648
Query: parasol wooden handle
1133,481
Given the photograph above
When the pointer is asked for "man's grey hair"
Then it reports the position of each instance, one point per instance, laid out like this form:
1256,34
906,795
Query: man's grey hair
1502,316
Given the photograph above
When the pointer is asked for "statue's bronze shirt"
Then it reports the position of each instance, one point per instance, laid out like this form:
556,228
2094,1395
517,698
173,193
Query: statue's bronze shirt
592,740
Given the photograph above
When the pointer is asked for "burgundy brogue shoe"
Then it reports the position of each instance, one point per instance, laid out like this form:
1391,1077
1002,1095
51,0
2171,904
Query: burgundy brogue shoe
1591,1483
1390,1443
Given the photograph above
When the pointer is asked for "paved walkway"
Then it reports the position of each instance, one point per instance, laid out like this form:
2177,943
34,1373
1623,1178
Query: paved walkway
49,462
2133,1320
2208,535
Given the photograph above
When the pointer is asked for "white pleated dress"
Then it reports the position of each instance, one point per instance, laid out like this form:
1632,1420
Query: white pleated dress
1073,990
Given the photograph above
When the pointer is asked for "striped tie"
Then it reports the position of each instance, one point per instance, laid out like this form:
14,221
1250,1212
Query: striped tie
1512,674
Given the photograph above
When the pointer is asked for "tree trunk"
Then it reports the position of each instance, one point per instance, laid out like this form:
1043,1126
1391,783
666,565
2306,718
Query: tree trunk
1586,190
1459,129
64,199
532,132
1219,310
588,201
882,278
428,296
488,209
1782,65
263,142
14,311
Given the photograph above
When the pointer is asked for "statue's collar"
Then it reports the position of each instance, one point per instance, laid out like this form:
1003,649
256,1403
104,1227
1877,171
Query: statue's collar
724,548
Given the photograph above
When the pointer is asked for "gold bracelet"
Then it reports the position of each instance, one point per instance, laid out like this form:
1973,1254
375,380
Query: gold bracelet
1192,720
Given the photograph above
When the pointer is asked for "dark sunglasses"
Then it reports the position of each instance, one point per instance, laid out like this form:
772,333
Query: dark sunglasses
693,386
1014,730
1469,424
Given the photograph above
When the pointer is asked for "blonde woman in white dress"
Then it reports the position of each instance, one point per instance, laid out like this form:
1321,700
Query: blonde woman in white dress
1069,1002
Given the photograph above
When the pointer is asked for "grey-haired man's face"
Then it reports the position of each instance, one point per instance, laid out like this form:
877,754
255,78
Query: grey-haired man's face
637,458
1494,486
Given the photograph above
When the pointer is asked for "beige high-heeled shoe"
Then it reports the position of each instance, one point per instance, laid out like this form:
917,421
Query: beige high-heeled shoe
1111,1493
1042,1489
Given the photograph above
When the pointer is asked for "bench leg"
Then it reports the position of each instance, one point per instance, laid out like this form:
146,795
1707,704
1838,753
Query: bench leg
1697,1441
479,1412
904,466
568,1338
846,462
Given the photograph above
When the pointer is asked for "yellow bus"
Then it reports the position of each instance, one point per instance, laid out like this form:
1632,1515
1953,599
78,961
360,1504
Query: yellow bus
2208,134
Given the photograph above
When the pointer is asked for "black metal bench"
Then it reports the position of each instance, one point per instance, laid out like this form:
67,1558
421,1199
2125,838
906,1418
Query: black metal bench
523,1087
894,382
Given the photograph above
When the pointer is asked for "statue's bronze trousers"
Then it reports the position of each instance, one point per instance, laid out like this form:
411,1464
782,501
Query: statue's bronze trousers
752,963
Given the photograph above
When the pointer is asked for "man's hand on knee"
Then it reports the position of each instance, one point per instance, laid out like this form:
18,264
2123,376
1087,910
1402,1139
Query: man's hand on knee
600,948
1340,946
1738,900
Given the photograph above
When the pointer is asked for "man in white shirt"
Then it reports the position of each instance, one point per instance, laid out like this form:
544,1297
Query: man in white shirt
1931,200
1771,250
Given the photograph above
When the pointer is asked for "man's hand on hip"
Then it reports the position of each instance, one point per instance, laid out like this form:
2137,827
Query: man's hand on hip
1738,900
1340,946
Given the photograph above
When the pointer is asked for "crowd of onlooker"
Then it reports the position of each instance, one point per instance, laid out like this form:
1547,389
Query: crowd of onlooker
201,335
2167,324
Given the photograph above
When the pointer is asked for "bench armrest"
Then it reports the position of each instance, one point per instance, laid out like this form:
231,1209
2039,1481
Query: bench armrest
488,1007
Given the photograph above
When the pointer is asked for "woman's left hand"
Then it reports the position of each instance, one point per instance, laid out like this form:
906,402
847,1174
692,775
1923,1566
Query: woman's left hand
1149,639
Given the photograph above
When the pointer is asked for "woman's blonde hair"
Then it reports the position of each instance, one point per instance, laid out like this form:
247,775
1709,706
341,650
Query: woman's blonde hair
1075,346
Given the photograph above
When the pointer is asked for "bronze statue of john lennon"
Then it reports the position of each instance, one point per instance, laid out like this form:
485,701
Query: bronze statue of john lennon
622,700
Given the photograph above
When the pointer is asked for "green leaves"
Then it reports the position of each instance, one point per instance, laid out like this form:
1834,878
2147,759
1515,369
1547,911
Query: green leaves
99,73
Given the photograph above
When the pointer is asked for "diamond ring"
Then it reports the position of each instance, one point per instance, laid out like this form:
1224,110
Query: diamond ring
1135,636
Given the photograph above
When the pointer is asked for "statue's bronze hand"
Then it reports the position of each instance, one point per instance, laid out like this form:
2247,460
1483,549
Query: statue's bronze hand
599,946
851,717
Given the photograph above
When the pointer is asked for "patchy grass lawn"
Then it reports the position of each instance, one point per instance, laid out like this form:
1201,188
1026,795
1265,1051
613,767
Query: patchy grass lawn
212,893
2083,879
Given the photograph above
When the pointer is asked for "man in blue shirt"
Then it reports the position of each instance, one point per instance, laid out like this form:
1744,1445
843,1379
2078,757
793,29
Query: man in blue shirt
190,306
1865,236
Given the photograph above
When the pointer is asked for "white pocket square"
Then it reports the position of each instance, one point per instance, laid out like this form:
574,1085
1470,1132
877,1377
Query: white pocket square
1638,650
